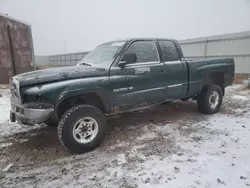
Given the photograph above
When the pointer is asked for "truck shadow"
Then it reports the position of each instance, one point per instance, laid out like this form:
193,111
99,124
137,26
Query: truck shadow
42,145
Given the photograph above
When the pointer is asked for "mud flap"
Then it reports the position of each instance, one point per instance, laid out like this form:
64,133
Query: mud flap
12,117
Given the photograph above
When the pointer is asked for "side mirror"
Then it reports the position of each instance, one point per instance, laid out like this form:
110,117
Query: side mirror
127,59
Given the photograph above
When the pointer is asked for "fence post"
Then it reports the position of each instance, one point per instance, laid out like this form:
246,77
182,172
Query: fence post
205,49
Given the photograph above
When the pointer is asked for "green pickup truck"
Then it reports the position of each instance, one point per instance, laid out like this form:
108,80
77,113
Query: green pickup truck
116,76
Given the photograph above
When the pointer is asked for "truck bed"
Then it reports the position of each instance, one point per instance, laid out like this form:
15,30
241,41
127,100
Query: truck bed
203,71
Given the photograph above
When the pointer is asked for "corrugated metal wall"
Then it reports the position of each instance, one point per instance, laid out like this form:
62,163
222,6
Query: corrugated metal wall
16,48
235,45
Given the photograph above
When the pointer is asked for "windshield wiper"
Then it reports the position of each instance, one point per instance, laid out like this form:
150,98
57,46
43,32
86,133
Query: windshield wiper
85,64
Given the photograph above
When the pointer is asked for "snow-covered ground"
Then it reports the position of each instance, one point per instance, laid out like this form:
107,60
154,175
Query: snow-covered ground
163,146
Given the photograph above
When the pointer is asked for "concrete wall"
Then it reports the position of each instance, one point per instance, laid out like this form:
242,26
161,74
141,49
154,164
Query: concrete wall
235,45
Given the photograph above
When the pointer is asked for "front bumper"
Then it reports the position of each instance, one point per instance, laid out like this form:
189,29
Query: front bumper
30,114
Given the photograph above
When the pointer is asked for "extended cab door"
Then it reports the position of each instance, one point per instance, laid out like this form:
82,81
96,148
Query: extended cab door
176,72
139,83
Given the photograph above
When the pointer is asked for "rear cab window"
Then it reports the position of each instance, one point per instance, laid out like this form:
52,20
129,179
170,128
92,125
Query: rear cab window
169,52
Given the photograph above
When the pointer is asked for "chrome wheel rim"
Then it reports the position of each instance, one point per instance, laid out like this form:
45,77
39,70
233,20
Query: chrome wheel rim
214,99
85,130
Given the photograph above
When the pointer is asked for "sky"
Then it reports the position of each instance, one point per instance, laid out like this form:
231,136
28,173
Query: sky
67,26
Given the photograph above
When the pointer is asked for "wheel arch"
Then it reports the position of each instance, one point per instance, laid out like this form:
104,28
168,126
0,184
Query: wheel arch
99,99
216,78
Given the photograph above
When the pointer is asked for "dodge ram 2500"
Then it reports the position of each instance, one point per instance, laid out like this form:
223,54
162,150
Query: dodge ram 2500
116,76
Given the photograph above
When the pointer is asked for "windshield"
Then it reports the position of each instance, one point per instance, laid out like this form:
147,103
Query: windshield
103,54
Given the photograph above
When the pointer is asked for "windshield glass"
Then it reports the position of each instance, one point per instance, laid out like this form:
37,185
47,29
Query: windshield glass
103,54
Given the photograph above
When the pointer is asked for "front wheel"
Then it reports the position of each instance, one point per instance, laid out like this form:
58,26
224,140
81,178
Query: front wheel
82,128
210,99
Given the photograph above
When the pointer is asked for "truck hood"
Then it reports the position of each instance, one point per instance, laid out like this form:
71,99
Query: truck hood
59,74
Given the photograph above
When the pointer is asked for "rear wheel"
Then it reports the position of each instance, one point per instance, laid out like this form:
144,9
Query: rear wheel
210,99
82,128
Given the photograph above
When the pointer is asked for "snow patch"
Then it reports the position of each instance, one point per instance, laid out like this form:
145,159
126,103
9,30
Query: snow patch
121,159
5,109
4,145
147,136
239,97
235,87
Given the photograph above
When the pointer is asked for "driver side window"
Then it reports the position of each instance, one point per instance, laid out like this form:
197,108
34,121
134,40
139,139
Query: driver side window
145,51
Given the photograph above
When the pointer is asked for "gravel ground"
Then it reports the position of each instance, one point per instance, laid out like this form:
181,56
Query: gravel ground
164,146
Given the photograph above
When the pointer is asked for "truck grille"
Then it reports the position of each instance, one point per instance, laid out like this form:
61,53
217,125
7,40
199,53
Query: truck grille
14,89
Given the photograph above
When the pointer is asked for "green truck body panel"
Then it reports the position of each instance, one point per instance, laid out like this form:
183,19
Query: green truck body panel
132,86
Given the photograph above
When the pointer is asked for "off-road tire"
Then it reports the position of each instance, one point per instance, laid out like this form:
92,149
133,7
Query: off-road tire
203,99
67,122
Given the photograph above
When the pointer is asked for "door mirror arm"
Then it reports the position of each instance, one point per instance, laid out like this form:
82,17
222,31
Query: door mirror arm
122,64
127,59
